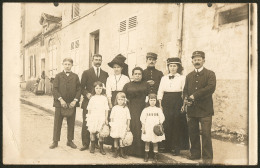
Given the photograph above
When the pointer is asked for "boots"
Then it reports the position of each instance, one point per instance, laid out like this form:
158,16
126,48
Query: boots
122,152
155,159
116,150
92,147
101,149
146,157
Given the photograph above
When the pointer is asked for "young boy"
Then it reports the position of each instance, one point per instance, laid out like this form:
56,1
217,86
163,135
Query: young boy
66,93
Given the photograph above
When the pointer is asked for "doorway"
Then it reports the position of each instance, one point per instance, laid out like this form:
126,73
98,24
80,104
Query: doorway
93,45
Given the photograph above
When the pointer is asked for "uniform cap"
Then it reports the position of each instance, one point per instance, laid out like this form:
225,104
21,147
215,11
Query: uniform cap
198,53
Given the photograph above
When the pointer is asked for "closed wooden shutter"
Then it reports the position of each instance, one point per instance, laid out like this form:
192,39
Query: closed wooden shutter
127,40
75,10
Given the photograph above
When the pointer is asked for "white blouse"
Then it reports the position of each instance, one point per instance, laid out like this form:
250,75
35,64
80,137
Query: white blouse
98,102
115,83
171,85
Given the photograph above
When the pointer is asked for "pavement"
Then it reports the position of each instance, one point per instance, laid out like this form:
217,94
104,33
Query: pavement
224,152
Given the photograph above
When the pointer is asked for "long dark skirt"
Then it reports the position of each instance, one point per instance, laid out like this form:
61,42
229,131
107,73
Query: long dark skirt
136,106
175,124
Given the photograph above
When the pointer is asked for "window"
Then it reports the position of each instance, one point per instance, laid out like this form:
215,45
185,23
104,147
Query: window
74,54
233,15
32,69
93,45
75,11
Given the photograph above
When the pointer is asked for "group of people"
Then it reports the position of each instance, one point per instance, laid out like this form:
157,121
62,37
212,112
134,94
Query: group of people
177,102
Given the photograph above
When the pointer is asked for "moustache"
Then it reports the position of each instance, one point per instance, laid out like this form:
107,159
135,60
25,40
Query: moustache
197,63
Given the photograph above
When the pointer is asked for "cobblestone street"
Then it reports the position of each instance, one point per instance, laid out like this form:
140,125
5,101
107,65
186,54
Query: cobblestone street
36,136
37,129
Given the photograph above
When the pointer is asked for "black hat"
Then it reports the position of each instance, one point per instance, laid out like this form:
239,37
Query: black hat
119,60
198,53
173,60
151,55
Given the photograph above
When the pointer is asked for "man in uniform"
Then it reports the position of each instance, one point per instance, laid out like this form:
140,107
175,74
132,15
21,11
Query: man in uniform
199,86
90,76
152,75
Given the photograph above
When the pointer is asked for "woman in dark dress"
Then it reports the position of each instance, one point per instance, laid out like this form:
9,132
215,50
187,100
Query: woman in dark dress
170,100
136,92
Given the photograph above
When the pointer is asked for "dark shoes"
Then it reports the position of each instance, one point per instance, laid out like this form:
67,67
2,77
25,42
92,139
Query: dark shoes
176,152
101,149
122,153
116,153
155,158
84,147
193,157
146,157
71,144
54,145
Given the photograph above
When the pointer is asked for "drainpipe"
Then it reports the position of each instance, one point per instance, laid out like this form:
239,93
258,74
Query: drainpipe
180,29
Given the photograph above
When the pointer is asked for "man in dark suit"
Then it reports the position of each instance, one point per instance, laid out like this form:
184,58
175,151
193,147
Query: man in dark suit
66,93
90,76
199,86
151,75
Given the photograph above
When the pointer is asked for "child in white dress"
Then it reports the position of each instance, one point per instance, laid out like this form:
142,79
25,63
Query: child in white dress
120,123
150,117
97,116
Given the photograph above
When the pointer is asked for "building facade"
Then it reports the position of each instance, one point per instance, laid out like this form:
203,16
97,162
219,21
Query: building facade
170,30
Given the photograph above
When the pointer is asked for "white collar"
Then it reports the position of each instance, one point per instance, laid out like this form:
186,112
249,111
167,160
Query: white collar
176,75
66,71
118,75
95,68
201,68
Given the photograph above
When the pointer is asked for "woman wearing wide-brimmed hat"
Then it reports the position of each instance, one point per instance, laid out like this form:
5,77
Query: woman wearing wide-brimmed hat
170,100
116,81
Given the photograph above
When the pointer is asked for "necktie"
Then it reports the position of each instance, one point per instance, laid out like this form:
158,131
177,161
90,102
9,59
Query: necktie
171,77
197,72
67,73
97,72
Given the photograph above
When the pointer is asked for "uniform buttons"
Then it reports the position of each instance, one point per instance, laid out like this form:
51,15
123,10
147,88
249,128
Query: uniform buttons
197,75
196,88
197,81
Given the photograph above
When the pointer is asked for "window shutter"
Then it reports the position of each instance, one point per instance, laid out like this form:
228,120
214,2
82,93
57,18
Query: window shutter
132,22
75,10
77,44
34,66
72,45
122,26
31,66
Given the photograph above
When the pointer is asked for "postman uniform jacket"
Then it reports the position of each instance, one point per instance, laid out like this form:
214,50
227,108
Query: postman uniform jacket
67,87
89,77
153,74
201,86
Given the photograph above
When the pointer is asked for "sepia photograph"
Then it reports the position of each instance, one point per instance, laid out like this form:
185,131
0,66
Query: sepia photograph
130,84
